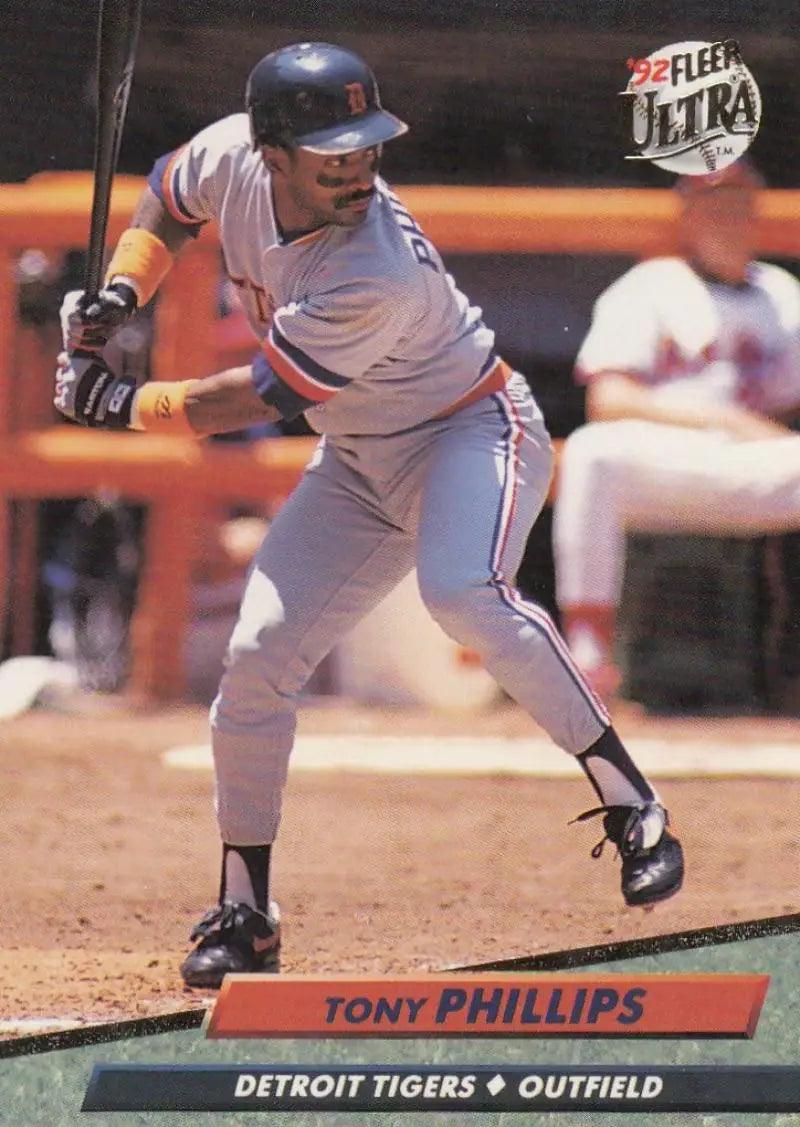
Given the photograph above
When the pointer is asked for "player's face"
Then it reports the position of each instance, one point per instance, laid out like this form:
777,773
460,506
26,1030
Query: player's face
718,229
315,189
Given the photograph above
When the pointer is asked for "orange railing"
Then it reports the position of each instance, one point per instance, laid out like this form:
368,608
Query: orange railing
178,478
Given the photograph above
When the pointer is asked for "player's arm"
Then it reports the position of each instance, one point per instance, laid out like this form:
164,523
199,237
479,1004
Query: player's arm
622,349
282,382
88,392
616,395
143,256
147,249
151,214
342,333
227,401
175,203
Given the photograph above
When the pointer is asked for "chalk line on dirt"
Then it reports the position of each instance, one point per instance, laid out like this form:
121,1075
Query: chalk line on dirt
445,755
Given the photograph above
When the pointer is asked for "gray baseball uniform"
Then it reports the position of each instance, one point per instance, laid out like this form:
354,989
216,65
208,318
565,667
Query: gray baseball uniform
434,454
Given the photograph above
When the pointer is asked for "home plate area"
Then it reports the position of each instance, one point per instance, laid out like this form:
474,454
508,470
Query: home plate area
412,840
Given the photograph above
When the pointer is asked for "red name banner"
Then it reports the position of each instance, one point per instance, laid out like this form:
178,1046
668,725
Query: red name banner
478,1005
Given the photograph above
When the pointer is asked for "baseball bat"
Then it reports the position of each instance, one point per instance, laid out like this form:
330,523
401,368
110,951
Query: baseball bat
117,34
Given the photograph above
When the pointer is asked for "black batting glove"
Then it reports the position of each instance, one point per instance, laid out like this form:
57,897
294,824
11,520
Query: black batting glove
86,325
88,392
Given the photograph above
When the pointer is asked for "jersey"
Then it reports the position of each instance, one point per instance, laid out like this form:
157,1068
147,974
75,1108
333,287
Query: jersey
668,327
363,327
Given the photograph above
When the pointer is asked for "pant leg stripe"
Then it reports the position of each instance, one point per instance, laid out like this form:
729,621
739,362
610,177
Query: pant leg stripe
508,495
537,616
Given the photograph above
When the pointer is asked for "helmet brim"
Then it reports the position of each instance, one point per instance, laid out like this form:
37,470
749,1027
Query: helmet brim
371,128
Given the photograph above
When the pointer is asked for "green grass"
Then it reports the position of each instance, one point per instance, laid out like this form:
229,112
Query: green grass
47,1089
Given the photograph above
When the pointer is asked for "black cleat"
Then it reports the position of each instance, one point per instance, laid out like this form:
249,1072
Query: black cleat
649,873
234,939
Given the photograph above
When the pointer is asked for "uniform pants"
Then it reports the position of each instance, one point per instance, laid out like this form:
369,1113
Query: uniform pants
649,477
456,498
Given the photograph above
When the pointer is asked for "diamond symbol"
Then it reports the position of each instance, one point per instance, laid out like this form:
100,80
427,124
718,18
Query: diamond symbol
496,1084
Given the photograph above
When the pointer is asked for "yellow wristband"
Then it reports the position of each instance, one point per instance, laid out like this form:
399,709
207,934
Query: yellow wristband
159,407
143,258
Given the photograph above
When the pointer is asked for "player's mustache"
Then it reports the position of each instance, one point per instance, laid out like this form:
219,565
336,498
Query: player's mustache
354,197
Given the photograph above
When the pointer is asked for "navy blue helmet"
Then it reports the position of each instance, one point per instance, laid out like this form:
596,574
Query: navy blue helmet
320,97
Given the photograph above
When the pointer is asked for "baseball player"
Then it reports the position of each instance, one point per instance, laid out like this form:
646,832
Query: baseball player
691,364
433,454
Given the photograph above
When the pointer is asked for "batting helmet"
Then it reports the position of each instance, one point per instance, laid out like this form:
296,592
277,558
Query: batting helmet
320,97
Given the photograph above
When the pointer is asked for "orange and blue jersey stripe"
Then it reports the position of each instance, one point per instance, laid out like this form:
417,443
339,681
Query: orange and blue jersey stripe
164,182
289,379
297,369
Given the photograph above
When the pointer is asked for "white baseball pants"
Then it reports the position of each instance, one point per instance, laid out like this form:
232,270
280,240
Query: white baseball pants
648,477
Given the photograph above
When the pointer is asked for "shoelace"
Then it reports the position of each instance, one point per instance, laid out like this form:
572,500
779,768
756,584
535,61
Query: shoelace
232,917
597,850
220,918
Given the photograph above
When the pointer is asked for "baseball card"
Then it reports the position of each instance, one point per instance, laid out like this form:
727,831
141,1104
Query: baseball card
399,712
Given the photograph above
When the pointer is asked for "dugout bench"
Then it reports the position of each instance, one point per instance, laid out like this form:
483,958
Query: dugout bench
177,478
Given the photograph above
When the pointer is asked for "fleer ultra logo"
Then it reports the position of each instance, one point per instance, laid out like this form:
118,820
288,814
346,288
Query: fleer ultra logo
692,107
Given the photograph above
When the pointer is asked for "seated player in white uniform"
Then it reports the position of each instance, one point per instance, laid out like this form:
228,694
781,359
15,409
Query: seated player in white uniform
692,367
434,455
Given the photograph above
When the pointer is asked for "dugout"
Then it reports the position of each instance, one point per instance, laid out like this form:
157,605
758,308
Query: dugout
175,478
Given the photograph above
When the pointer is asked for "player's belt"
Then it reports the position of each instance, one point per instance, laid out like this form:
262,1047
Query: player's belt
495,380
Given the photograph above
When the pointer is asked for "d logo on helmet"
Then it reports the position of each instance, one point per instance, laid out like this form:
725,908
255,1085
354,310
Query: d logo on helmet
356,98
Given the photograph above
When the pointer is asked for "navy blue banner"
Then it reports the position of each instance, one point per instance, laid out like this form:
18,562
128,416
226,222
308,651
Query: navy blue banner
132,1087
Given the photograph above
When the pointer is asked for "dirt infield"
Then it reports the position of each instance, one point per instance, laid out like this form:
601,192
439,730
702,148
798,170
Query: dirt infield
109,857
